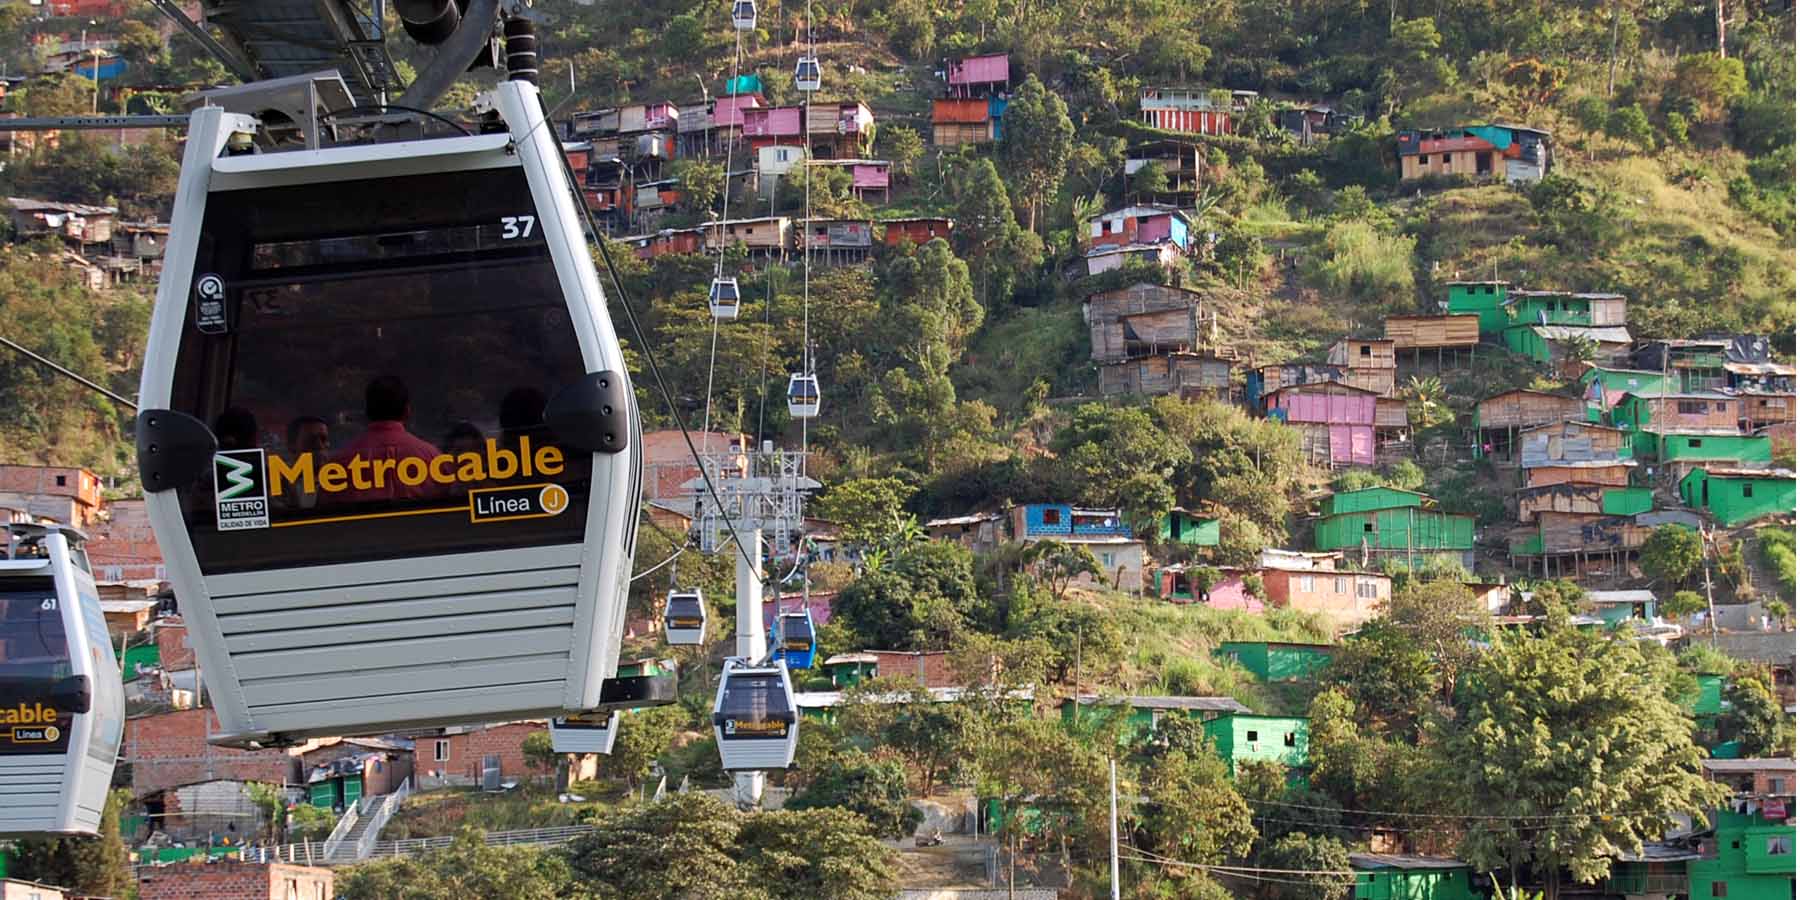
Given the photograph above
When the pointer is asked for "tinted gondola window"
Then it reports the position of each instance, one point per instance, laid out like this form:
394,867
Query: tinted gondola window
377,380
684,612
34,672
755,706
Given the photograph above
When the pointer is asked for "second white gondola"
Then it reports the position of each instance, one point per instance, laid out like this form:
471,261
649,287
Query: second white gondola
684,619
743,15
803,396
63,705
806,74
588,733
723,298
754,717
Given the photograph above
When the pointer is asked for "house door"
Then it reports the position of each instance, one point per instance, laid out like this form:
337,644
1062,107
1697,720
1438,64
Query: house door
1484,163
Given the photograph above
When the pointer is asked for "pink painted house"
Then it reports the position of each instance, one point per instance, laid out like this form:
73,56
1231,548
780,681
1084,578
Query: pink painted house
1336,421
978,75
819,604
1175,585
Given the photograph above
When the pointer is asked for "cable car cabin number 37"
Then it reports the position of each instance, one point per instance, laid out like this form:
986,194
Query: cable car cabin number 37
388,444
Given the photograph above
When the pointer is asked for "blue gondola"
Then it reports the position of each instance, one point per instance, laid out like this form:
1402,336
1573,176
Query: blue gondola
795,639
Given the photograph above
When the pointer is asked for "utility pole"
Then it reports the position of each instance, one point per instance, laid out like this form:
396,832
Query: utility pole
1712,612
1112,777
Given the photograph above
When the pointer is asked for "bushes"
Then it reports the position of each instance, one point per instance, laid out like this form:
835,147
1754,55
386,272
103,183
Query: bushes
1369,267
1777,548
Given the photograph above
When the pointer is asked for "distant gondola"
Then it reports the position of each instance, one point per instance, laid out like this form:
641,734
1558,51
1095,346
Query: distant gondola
723,299
743,15
803,396
796,639
754,717
806,74
684,619
60,694
584,733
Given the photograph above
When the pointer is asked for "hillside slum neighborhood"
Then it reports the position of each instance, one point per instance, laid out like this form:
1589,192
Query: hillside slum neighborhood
1636,432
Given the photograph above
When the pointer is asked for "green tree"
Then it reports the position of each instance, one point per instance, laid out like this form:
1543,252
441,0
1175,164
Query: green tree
1671,555
1559,732
540,753
1683,604
700,183
1387,675
902,147
96,865
1629,125
1150,181
1325,860
901,716
1191,811
1116,457
1754,717
1441,617
918,601
872,789
1039,139
683,37
1426,405
1058,564
1591,112
1711,81
644,735
814,853
868,511
681,848
466,868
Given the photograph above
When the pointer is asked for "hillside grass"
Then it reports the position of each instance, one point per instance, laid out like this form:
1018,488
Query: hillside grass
1776,544
443,812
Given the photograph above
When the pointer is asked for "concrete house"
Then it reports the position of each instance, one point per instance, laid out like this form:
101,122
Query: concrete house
1149,225
1486,300
1240,738
1348,599
1188,109
1695,411
1103,531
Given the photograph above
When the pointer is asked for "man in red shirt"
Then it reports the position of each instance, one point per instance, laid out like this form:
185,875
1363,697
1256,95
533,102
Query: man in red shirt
375,454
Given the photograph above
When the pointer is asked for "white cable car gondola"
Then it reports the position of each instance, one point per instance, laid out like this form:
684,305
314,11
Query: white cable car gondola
806,74
803,396
723,298
754,717
743,15
388,442
584,733
59,686
684,619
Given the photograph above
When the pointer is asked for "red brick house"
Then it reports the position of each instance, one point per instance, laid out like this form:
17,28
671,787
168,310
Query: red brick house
930,668
918,230
230,880
1347,598
457,755
169,750
68,495
172,645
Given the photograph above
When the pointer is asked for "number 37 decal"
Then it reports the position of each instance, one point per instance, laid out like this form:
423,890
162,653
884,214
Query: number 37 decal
512,227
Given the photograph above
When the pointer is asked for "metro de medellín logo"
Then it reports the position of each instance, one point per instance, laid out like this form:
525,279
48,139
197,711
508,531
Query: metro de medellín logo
240,489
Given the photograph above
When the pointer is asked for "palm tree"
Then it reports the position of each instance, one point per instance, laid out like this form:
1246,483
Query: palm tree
1424,398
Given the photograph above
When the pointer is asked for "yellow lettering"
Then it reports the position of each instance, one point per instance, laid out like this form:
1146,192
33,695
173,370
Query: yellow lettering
359,469
333,477
382,468
413,476
501,463
525,456
440,469
302,471
468,467
549,461
28,714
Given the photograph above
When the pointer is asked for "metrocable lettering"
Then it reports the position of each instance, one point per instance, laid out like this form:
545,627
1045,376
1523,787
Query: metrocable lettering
33,714
445,468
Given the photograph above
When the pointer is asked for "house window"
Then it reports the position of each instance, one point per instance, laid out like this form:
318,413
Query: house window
1306,584
1369,527
1747,486
1690,407
1052,517
1424,160
440,752
1365,350
1780,845
1106,559
1718,407
1446,159
1718,889
1287,740
1776,784
62,481
1694,442
1250,736
1342,586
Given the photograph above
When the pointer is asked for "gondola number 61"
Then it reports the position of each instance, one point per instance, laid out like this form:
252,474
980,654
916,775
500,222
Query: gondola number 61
512,227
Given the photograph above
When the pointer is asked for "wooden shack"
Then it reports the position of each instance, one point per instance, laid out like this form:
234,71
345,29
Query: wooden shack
1696,411
1499,419
1757,408
769,236
1582,499
1185,374
1142,320
1361,354
1616,472
1433,332
1577,544
1272,378
1571,442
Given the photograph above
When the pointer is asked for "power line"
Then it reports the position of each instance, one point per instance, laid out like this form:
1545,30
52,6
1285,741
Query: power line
1376,812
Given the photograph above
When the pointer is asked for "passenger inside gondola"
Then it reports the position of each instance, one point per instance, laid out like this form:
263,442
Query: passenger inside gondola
388,406
464,437
307,435
236,429
521,414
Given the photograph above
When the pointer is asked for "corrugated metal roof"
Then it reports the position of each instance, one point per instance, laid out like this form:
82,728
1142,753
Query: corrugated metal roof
1454,145
1768,764
1607,334
1210,704
1621,596
1404,861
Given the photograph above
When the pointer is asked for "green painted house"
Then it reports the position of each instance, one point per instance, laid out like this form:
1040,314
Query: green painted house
846,669
1143,714
1562,308
1604,387
1749,859
1627,501
1368,499
1389,876
1485,300
1180,526
1739,495
1241,738
1710,701
1741,449
1277,660
1407,533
